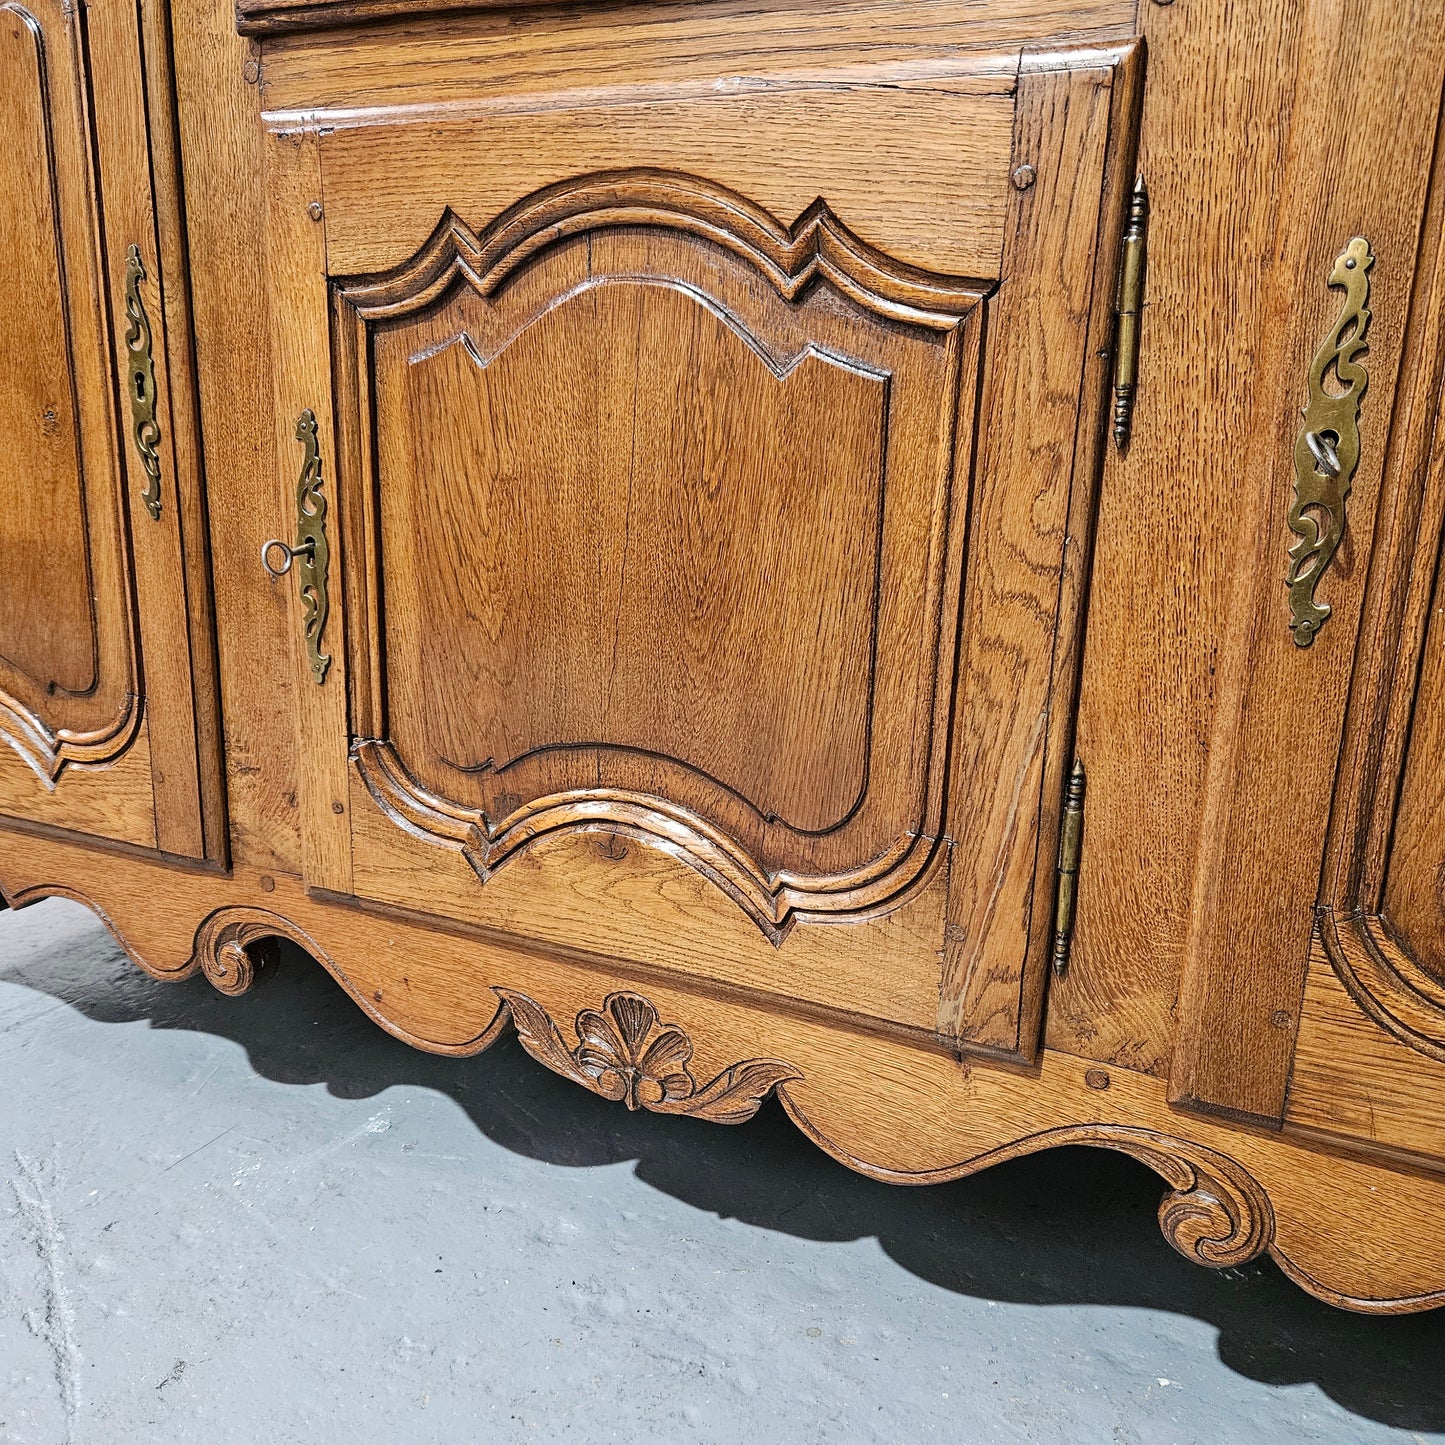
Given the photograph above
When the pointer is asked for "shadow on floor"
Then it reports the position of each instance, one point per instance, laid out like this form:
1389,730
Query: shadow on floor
1071,1226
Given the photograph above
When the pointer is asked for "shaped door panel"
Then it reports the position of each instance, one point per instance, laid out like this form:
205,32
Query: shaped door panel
660,546
67,684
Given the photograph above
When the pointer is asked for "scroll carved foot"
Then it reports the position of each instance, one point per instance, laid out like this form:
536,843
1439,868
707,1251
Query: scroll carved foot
1216,1212
234,947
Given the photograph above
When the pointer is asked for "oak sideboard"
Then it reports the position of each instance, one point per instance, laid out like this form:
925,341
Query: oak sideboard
878,553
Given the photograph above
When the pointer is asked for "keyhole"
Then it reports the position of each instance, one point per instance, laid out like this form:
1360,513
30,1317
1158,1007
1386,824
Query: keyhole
140,386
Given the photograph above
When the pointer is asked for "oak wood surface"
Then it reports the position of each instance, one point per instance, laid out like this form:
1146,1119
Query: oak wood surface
610,894
579,44
69,689
1265,814
1383,722
1414,898
186,439
169,615
1352,1079
1027,19
104,655
1031,411
1344,1228
709,402
300,384
692,559
929,198
1210,147
222,146
44,542
783,695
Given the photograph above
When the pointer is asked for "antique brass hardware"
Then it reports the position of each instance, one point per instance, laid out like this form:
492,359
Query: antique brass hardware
1327,449
311,555
1071,837
1126,312
141,383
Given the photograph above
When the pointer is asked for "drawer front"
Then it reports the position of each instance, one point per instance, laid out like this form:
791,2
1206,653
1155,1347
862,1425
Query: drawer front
699,473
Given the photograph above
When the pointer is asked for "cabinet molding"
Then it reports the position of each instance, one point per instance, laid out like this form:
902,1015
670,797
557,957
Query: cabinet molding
775,831
912,1117
107,690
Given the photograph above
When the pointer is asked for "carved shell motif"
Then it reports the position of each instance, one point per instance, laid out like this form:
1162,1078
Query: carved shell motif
625,1054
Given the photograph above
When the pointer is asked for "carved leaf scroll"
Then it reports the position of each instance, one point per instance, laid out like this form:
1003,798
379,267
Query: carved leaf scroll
625,1054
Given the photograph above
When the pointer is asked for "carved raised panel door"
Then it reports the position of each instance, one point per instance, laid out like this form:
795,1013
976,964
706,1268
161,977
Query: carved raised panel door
697,501
90,533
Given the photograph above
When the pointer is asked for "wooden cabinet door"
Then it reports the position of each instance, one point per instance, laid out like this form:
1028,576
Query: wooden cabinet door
91,529
700,469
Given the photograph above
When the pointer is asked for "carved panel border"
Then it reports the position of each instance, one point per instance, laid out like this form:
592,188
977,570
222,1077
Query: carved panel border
816,248
1385,980
774,903
49,753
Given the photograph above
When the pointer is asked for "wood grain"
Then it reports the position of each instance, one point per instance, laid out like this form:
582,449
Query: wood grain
1351,1079
43,545
222,146
68,685
1382,852
932,194
262,17
1266,812
296,290
631,528
709,404
712,576
115,801
93,583
168,615
186,439
1414,897
992,982
1348,1230
636,459
1210,144
619,894
434,58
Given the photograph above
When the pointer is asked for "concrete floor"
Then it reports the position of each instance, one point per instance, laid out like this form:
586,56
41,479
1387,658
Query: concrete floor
264,1220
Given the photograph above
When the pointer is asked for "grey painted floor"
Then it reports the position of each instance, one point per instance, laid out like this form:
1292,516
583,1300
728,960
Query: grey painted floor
264,1220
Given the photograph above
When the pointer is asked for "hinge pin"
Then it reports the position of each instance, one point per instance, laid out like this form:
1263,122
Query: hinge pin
1071,836
1126,311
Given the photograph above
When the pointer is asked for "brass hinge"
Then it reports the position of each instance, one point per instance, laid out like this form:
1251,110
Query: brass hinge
1127,307
1071,837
